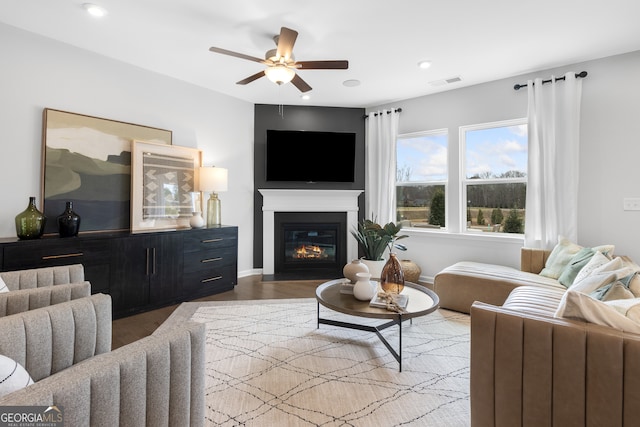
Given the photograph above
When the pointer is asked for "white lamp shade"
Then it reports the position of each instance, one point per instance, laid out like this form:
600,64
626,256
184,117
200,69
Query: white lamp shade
213,179
280,74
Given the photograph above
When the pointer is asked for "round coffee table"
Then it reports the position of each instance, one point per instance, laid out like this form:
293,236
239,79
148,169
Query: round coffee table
422,301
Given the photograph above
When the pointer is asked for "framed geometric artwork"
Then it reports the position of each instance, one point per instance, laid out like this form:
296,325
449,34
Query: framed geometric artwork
163,180
87,160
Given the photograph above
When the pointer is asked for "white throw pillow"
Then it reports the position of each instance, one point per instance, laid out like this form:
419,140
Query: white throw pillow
580,306
597,260
3,286
13,376
629,308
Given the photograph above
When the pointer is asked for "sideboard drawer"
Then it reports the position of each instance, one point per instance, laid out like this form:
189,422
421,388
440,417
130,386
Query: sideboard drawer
211,239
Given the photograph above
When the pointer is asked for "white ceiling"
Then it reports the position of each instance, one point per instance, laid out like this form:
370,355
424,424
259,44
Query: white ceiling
476,40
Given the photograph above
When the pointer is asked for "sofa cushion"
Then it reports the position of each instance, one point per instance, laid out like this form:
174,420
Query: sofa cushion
535,299
464,282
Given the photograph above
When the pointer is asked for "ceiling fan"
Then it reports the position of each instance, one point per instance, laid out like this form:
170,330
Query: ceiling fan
281,64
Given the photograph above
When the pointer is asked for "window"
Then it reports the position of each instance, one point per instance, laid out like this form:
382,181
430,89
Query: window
494,176
421,178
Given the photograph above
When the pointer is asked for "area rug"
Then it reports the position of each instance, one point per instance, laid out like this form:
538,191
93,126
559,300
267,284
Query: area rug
268,364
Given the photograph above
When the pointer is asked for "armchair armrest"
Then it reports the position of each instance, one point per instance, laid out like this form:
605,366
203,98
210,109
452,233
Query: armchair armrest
158,380
529,369
29,299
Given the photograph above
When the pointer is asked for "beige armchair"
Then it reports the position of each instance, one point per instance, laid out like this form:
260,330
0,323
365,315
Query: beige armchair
158,380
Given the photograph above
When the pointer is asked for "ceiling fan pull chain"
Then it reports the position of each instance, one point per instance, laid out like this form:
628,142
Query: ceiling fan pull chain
280,106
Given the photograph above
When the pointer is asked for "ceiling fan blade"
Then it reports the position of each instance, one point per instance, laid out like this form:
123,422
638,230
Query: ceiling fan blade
300,84
286,40
249,79
322,65
238,55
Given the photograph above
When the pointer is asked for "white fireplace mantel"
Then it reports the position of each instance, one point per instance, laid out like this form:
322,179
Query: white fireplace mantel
305,201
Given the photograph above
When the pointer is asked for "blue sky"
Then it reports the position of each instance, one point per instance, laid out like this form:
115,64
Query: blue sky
496,150
425,156
493,150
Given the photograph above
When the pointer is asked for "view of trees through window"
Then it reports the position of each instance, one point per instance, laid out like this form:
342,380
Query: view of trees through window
421,178
495,176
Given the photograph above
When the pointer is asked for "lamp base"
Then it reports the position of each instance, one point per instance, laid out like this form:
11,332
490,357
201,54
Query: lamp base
214,210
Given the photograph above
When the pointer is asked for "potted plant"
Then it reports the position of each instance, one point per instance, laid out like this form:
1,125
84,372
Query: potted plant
374,239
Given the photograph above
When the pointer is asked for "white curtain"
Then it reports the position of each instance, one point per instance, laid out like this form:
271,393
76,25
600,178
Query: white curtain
380,170
554,148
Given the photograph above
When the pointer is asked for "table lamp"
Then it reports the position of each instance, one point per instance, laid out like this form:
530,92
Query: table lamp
213,180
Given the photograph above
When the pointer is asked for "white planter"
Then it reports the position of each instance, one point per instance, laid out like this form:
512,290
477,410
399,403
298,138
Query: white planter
375,267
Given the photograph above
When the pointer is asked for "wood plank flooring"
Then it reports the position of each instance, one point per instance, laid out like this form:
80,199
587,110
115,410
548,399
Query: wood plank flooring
132,328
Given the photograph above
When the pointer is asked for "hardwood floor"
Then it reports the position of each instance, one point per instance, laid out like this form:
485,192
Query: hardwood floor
132,328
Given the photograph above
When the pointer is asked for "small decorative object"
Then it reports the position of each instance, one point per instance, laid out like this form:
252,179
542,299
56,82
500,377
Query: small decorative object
30,223
411,270
392,302
355,266
196,220
68,222
363,290
392,277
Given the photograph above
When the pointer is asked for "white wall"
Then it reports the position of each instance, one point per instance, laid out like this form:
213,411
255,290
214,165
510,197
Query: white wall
609,158
38,73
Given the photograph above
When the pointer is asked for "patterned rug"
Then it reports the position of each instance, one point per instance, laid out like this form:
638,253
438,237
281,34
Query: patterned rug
268,364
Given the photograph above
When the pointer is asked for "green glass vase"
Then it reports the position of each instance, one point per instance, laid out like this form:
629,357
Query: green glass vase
30,223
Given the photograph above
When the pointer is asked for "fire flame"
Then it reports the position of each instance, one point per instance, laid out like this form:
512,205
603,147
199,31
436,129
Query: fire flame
308,251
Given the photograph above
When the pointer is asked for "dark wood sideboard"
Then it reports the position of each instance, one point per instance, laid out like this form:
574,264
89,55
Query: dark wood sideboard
140,271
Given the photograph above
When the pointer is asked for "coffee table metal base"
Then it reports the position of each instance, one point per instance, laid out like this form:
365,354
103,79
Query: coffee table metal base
375,329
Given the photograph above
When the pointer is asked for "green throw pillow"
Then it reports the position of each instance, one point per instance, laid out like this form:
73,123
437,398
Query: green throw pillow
559,257
574,266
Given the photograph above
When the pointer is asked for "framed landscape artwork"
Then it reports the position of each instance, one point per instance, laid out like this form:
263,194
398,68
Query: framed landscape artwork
164,179
87,160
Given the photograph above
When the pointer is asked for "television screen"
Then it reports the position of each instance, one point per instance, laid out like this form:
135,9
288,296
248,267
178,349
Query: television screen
308,156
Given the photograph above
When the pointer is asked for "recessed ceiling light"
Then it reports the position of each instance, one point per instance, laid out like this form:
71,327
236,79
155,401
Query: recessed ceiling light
423,65
351,83
95,10
305,97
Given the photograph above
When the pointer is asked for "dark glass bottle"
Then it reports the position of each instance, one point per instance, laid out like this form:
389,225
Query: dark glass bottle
68,222
392,276
30,223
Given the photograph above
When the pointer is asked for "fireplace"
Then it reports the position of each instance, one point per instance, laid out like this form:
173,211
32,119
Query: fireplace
276,201
309,245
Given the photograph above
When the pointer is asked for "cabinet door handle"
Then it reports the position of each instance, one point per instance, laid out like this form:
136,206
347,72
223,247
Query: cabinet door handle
62,256
212,240
153,270
211,279
211,259
147,261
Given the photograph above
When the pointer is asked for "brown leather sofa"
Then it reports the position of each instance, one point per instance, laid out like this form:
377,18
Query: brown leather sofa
529,368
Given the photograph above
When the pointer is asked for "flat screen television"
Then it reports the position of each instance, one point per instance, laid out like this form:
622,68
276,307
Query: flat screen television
308,156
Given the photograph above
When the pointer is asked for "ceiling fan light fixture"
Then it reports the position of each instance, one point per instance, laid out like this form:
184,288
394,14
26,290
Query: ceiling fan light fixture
94,10
280,74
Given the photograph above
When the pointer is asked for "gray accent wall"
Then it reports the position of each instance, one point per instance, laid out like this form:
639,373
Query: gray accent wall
326,119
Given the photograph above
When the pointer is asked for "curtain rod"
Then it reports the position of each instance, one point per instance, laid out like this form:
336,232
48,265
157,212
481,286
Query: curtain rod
582,74
397,110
